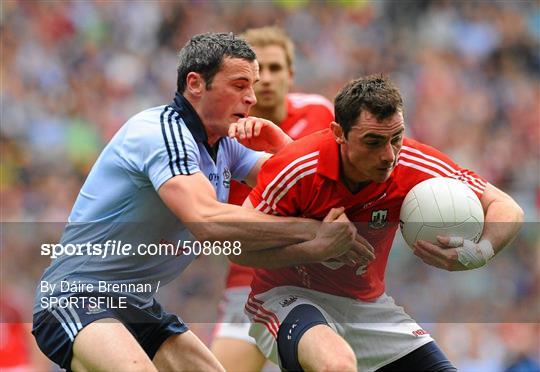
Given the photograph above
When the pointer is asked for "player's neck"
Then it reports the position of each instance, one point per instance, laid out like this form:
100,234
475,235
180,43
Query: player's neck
275,114
212,139
346,174
353,186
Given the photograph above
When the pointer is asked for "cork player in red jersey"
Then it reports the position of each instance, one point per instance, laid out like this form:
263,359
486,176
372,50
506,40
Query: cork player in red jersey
330,316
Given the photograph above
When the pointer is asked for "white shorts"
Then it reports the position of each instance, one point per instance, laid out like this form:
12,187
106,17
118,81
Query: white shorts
233,322
379,332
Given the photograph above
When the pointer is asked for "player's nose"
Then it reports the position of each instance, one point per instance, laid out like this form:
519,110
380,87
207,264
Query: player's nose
387,153
250,98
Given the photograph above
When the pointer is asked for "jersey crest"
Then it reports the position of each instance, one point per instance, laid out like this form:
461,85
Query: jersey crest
227,178
378,219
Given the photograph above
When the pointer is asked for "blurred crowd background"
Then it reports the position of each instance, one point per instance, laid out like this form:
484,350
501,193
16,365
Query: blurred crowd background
72,72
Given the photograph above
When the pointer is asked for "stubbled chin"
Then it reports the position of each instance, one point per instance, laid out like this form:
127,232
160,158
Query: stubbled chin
382,177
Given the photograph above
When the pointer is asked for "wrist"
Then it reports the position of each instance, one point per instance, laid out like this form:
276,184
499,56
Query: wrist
309,229
285,140
322,252
474,255
486,248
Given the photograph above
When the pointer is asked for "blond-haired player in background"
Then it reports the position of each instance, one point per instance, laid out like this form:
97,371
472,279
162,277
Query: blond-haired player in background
298,114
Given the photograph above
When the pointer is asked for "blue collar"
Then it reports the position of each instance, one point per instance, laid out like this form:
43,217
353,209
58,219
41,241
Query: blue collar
193,122
182,106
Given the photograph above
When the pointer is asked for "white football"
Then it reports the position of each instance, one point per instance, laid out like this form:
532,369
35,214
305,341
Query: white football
441,206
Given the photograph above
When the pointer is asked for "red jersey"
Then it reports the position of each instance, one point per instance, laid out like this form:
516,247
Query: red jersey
303,180
14,350
306,114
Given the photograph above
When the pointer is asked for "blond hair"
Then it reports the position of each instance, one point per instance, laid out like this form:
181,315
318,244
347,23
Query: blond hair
270,35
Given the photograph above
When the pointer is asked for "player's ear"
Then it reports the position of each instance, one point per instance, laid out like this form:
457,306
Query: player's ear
338,132
195,83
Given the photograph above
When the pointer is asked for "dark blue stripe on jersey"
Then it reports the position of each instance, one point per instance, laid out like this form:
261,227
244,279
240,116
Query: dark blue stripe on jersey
162,121
177,161
183,143
190,117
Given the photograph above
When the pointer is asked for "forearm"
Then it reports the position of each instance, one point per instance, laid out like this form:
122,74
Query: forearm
253,229
192,199
347,247
503,221
281,143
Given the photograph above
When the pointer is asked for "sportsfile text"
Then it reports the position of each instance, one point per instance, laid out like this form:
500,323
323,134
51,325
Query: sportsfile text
111,248
163,248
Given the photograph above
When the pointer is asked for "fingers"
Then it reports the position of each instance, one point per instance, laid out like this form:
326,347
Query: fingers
232,130
257,128
367,244
241,129
434,255
343,218
238,130
430,259
348,259
351,258
246,128
451,241
431,248
363,248
334,214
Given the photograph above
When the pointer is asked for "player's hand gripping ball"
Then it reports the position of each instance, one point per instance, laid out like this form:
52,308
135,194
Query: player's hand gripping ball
441,206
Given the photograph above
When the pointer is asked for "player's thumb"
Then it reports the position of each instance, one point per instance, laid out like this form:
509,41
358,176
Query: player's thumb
334,214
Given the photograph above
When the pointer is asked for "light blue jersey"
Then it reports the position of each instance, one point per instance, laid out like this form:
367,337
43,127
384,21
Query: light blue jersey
119,202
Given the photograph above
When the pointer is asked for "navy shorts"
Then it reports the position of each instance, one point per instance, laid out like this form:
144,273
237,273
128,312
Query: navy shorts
56,327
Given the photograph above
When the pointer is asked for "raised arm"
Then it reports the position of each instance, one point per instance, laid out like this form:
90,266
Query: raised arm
259,135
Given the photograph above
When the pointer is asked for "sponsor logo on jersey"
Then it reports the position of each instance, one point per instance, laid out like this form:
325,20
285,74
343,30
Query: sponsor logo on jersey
227,178
289,300
378,219
214,177
93,309
420,332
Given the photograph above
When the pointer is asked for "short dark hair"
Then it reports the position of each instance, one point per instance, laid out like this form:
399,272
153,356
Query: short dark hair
376,94
204,54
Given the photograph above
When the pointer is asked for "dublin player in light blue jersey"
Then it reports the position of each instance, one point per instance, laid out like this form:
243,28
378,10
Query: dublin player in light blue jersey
164,178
